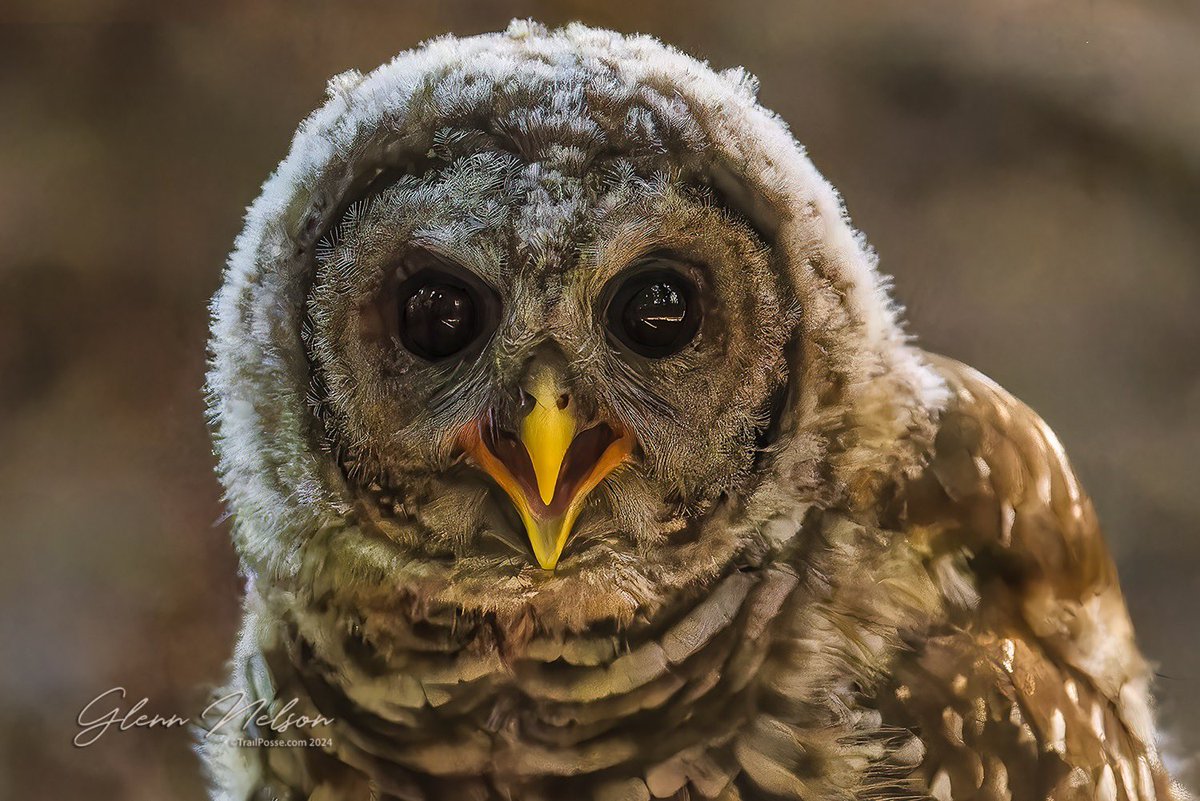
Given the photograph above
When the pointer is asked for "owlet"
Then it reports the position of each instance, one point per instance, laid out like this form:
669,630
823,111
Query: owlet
576,452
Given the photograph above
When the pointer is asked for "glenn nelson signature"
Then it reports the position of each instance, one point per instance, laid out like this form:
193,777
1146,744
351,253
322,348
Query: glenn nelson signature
104,712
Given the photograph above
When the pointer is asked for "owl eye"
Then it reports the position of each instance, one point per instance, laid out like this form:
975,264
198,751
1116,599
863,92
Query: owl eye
439,315
655,312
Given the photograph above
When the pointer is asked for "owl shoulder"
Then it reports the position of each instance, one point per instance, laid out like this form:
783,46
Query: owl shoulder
999,488
1033,683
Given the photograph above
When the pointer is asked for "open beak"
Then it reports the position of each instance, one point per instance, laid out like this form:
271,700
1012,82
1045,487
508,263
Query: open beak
548,469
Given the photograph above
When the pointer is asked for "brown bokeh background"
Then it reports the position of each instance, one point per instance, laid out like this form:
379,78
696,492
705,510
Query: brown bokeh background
1028,171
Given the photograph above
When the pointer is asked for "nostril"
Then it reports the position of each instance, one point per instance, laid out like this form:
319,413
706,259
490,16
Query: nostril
525,401
564,400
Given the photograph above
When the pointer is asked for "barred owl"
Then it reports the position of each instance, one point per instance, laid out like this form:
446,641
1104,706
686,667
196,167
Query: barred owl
575,451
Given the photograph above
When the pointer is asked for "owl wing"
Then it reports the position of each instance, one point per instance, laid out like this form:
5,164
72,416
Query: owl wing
1034,687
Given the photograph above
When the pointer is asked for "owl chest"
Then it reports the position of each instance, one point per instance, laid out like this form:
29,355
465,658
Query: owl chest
556,710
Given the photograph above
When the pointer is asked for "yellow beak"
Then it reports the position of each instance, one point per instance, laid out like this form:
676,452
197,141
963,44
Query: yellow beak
547,433
550,472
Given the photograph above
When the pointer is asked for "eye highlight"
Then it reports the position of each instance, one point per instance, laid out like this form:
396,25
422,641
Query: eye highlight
440,315
655,312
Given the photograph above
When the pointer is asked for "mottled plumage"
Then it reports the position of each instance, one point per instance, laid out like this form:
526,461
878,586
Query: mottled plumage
786,554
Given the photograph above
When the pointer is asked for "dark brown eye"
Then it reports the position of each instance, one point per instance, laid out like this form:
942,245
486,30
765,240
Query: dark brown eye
439,316
655,313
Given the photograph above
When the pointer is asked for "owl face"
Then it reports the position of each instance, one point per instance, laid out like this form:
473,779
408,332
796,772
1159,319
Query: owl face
529,370
556,325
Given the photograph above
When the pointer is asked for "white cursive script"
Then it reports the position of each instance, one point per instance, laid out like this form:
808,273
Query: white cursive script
93,728
258,713
104,713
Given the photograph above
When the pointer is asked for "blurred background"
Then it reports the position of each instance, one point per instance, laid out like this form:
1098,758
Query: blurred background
1028,171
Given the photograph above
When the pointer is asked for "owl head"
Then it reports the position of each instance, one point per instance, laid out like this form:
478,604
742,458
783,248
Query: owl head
551,325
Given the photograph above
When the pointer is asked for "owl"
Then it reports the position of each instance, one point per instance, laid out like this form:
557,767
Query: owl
576,451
